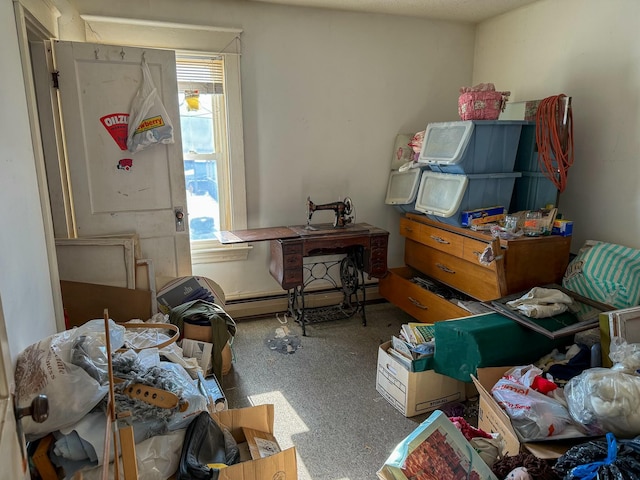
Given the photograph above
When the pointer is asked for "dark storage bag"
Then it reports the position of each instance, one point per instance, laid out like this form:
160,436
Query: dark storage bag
205,443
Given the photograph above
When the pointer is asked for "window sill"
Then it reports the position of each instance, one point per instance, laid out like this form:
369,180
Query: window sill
214,254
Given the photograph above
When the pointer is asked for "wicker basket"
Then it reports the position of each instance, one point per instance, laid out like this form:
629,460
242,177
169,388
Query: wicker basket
485,105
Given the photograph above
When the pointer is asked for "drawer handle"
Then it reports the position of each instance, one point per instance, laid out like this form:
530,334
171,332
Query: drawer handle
417,303
444,268
439,240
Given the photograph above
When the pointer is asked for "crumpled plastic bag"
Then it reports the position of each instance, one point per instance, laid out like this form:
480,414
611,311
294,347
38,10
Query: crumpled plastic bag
608,399
149,122
534,415
70,377
601,459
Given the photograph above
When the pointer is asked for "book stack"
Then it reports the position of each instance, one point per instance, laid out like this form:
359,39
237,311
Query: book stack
414,347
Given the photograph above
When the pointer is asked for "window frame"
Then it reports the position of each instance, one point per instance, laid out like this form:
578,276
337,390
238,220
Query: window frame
232,196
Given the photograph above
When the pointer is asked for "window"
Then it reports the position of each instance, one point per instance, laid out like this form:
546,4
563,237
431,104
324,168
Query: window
210,120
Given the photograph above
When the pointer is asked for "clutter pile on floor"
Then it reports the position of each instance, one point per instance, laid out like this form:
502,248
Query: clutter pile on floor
180,425
564,416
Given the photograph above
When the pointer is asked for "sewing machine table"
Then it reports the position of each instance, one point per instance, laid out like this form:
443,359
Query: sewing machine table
365,247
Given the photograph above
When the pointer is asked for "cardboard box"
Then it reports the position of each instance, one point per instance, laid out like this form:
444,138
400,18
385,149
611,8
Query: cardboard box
482,215
436,446
493,419
201,351
261,444
562,227
261,418
413,393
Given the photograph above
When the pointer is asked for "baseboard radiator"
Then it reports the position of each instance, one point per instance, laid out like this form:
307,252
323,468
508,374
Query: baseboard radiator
262,306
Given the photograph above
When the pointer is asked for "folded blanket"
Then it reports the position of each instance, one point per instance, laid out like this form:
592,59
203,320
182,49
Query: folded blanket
541,302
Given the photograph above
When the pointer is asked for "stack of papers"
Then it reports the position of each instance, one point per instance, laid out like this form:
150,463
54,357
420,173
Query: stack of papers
415,342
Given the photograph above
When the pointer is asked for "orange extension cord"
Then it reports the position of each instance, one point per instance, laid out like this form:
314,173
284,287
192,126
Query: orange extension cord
555,139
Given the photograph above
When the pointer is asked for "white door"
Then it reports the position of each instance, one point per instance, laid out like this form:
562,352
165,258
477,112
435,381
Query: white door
12,448
113,191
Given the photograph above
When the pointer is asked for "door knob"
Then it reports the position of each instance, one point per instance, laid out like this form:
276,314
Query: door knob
38,410
179,214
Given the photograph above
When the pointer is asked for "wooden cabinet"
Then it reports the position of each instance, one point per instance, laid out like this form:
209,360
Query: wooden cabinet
452,256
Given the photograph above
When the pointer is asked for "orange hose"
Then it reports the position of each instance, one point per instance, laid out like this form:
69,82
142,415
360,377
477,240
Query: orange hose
555,139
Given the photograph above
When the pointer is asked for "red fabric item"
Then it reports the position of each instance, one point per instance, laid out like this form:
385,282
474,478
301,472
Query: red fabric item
469,431
543,385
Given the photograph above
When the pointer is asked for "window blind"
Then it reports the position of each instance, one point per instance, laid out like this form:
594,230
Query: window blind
202,73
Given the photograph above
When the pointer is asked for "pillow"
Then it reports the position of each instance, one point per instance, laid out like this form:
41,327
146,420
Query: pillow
605,272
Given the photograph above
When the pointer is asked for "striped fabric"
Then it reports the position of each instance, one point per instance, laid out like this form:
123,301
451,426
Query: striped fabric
605,272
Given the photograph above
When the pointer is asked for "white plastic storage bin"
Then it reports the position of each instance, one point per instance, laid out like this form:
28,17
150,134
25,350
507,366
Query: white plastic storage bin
403,188
442,196
472,146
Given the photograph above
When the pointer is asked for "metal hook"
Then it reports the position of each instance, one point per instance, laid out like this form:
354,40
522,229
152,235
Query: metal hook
95,52
122,54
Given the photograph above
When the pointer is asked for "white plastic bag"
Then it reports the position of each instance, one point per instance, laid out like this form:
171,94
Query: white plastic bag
534,415
149,123
605,400
608,399
72,387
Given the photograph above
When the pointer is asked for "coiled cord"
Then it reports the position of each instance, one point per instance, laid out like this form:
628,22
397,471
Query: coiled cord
554,137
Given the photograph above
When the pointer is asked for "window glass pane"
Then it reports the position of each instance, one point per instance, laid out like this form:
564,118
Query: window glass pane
196,121
202,198
201,179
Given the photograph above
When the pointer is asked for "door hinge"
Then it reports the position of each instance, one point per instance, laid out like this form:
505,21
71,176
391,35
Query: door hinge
54,77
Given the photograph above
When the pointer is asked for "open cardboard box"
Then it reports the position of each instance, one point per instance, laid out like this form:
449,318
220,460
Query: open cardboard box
279,465
492,418
414,393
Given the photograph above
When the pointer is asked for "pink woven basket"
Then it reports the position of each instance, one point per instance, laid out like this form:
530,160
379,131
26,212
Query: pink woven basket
485,105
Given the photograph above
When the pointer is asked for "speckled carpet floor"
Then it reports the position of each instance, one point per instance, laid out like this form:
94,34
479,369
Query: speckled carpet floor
323,387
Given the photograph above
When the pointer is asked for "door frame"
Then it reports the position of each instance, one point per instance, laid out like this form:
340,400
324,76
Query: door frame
29,27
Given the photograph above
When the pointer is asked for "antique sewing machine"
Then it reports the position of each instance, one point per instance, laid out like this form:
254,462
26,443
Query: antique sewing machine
342,211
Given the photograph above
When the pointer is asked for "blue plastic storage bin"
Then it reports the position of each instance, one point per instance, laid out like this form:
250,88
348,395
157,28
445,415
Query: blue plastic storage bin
442,196
533,190
527,153
402,189
472,146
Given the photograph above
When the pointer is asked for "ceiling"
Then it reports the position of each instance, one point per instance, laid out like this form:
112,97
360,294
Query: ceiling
471,11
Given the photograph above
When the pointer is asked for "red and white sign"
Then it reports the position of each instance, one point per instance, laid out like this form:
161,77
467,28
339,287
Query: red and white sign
117,124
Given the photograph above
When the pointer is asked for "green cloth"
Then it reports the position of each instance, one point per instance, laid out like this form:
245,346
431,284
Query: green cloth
487,340
223,327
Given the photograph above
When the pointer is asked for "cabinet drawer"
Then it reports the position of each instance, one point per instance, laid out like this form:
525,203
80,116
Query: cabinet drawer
410,229
472,250
442,240
434,237
469,277
418,302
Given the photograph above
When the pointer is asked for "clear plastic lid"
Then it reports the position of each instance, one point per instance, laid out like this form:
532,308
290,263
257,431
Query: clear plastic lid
403,187
445,142
440,194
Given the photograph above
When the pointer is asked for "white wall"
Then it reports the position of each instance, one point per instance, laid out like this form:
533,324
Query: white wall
589,50
24,271
324,94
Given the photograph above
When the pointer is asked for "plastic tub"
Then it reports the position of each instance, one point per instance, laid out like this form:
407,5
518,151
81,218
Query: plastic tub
473,146
442,196
403,188
533,191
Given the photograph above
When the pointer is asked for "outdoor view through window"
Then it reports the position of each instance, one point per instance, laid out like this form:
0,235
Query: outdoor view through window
203,126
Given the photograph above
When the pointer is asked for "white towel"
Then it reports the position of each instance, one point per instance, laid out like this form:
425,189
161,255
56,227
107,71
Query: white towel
541,302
